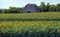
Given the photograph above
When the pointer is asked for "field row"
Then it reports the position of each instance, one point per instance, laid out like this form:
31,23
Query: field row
31,16
29,28
18,26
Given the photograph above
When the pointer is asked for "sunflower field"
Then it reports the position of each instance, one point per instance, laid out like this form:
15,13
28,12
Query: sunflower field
44,24
30,28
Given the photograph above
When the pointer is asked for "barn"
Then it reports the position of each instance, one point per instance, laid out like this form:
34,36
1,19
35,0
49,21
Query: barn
31,8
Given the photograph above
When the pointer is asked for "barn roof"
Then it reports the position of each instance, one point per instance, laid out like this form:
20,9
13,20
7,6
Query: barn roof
31,7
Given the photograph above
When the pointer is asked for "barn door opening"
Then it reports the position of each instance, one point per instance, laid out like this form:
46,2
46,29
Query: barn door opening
29,11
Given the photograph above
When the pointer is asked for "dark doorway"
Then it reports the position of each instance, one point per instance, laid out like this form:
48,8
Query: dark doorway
29,11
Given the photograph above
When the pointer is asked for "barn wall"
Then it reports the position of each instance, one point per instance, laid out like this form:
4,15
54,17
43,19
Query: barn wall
29,9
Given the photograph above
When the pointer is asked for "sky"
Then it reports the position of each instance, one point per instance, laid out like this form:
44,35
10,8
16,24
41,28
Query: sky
21,3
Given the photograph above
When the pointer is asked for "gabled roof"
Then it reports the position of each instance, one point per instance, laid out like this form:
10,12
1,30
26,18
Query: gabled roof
31,7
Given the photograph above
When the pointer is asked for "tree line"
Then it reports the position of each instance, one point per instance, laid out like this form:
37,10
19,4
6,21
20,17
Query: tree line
49,8
43,8
12,10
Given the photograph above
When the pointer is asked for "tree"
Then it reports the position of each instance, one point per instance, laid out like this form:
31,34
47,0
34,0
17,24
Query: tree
47,7
42,6
4,10
12,10
58,7
15,10
52,8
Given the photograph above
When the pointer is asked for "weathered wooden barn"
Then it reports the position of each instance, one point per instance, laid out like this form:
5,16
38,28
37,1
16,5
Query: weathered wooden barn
31,8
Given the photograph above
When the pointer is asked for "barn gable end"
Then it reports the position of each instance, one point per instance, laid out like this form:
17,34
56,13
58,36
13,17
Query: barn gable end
31,8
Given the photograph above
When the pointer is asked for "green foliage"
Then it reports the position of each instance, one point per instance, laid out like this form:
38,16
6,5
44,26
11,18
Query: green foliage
58,7
15,10
31,16
52,8
5,10
42,6
49,8
12,10
30,28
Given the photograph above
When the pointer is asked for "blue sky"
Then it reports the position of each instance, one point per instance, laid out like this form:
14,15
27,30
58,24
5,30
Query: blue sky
22,3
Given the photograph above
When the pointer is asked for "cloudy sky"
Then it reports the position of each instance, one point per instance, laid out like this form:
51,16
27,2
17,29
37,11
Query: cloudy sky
22,3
